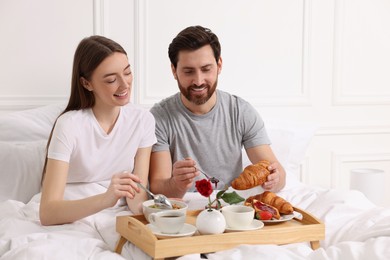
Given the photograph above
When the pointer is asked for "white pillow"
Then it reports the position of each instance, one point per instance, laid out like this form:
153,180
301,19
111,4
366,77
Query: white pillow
21,169
289,142
300,136
281,145
29,125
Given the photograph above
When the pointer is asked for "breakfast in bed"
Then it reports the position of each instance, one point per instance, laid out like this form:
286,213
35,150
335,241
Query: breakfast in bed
233,220
267,205
259,209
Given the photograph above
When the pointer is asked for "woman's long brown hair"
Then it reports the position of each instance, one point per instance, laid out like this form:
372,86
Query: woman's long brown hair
90,52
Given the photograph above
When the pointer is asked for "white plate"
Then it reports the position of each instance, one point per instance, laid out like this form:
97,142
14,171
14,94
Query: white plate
256,224
187,230
283,218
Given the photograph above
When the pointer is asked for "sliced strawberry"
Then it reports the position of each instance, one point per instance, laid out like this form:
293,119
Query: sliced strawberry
263,215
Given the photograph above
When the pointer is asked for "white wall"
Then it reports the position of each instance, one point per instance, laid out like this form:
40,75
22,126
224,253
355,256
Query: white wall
320,61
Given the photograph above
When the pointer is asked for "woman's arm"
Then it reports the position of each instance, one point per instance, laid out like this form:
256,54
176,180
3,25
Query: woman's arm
141,170
55,210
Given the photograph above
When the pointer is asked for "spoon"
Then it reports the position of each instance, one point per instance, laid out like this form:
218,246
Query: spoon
159,199
211,179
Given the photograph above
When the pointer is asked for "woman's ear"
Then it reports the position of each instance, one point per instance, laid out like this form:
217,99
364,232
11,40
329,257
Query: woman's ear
85,84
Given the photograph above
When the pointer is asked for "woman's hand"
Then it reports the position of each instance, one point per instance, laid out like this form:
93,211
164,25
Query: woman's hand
122,184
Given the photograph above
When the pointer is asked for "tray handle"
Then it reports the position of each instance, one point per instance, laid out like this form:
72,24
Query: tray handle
307,218
138,228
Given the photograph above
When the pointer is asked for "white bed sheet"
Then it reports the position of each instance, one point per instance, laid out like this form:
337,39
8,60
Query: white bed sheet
355,229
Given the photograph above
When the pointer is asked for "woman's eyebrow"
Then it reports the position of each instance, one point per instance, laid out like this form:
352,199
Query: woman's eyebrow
108,74
113,73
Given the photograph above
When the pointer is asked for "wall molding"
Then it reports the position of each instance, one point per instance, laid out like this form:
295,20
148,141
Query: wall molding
339,97
306,51
338,159
304,173
11,103
101,17
140,57
301,99
139,78
361,129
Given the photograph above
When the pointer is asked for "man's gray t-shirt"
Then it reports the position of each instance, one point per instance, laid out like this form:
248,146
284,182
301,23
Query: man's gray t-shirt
213,140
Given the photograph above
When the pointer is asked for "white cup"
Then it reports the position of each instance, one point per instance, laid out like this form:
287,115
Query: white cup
168,222
238,216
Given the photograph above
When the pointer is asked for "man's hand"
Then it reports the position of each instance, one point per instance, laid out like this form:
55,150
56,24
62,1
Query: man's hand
272,183
183,174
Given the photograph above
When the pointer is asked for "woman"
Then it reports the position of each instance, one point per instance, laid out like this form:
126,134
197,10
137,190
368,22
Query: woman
99,137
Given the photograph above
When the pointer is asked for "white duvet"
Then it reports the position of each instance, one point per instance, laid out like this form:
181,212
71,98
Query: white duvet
355,229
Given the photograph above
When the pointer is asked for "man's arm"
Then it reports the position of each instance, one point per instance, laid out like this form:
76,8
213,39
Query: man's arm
171,180
277,179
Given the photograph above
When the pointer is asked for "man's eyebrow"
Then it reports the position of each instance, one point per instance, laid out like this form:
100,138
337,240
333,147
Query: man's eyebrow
110,74
207,65
191,68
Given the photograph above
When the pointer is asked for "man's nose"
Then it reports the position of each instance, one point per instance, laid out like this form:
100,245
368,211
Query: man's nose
198,79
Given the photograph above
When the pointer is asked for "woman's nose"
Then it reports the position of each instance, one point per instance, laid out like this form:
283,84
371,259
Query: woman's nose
125,82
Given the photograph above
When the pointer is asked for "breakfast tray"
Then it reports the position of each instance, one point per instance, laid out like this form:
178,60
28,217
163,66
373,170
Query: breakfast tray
133,228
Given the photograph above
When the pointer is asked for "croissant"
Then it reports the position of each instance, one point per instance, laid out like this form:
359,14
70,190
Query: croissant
274,200
253,175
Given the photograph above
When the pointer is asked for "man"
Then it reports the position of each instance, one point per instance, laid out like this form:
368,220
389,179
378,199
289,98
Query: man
201,130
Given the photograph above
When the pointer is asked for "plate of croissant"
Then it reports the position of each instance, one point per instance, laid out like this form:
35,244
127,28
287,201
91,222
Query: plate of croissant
270,208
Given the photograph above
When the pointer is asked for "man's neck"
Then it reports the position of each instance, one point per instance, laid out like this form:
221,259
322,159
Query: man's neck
200,109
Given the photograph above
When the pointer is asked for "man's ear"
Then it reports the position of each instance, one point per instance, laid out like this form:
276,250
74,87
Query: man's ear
219,65
173,71
85,84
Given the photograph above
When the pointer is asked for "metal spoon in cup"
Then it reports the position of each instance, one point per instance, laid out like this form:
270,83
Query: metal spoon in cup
159,199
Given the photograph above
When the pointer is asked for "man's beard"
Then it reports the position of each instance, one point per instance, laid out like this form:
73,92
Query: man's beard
197,99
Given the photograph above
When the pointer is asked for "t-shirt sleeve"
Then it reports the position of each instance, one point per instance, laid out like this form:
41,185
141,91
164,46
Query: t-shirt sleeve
149,137
162,143
60,147
253,127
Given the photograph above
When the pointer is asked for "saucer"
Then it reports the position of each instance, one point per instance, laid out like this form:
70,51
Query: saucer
256,224
186,231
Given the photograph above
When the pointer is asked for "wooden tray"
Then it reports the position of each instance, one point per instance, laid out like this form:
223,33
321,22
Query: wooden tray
133,229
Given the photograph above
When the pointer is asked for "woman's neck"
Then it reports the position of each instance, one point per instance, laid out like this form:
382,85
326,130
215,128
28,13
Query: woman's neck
106,117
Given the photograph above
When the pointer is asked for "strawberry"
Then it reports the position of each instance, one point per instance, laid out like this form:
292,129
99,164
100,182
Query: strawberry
263,215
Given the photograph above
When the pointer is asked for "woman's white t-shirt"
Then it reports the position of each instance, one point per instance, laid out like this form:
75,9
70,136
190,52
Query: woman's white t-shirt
92,154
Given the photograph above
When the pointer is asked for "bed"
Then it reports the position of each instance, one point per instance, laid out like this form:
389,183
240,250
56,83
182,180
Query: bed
355,227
